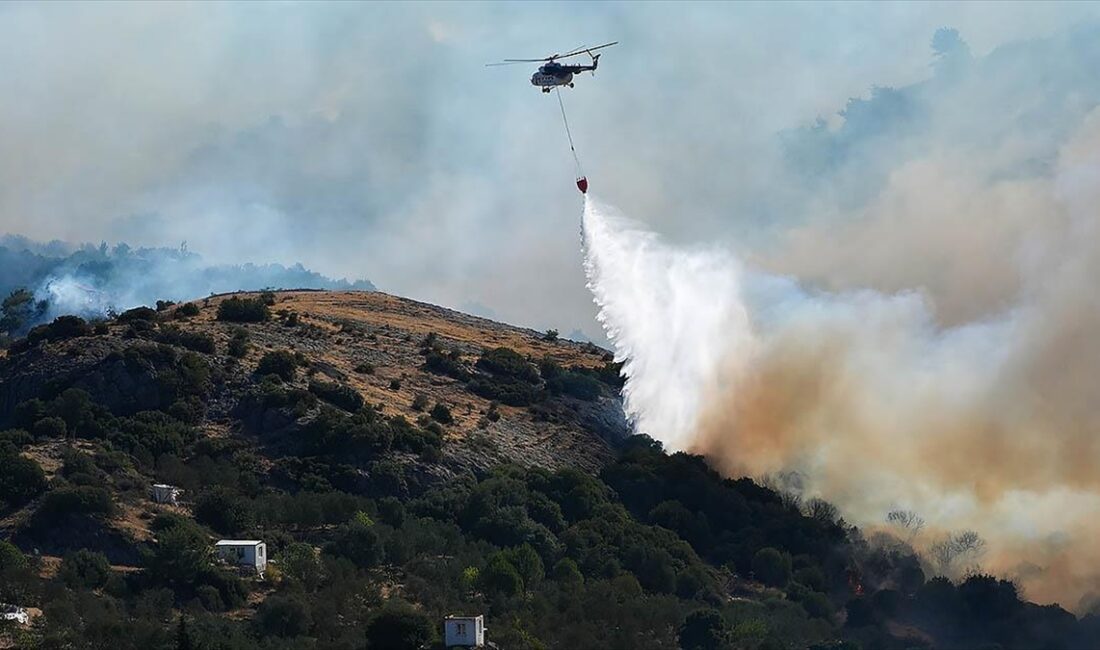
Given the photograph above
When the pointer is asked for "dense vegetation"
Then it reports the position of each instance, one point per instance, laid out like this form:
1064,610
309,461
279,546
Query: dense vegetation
372,541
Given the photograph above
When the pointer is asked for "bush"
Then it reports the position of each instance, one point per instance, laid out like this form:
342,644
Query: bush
61,329
704,629
197,341
81,500
440,413
50,428
445,365
284,616
507,362
575,385
21,479
243,310
500,577
395,384
11,558
136,314
772,567
365,368
85,570
281,363
358,541
345,397
399,627
187,310
238,343
420,402
224,511
512,392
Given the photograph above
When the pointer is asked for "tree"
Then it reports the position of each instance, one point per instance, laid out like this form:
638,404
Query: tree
908,523
299,562
704,629
527,564
21,479
399,627
85,569
223,510
284,616
19,311
499,577
772,567
359,542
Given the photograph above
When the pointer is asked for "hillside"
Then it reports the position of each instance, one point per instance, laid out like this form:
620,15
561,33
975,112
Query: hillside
400,462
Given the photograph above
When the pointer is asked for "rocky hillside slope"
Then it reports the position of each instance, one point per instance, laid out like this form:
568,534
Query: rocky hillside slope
373,343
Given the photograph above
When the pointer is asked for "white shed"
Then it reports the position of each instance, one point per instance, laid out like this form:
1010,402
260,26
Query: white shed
243,552
169,494
464,631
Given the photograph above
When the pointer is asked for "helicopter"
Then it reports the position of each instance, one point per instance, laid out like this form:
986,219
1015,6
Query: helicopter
552,74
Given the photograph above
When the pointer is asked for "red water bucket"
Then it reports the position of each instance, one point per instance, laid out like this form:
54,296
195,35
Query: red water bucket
582,185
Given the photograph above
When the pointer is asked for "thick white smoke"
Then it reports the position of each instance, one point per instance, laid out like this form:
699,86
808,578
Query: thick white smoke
990,425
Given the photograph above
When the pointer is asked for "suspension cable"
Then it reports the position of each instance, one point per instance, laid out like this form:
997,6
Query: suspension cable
565,120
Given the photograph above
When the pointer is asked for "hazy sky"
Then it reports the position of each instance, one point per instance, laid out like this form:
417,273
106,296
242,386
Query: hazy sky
368,140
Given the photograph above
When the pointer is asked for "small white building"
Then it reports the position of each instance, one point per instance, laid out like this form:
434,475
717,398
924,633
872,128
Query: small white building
243,553
162,493
464,631
15,614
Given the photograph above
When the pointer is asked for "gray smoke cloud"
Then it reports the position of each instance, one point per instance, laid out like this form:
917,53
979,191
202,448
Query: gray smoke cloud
368,140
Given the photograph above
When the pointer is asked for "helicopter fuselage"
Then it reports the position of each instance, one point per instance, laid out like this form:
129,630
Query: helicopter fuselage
556,74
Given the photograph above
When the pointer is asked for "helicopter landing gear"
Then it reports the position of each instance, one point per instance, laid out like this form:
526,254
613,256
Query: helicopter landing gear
545,90
570,84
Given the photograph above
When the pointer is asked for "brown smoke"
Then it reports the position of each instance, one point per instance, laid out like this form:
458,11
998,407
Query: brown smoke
975,402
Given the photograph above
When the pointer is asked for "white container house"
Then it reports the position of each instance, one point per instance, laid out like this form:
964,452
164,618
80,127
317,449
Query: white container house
243,553
464,631
14,613
162,493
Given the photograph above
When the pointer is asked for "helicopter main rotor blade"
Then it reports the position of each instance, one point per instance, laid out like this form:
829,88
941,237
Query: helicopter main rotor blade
585,50
489,65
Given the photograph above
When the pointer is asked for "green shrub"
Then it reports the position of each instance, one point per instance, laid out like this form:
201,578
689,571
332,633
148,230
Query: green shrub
345,397
243,310
512,392
238,343
197,341
284,616
21,479
772,567
136,314
444,365
420,402
506,362
440,413
400,627
575,385
365,368
281,363
84,569
50,428
224,511
187,310
81,500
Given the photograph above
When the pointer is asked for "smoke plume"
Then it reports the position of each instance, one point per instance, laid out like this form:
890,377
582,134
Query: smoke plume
876,400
